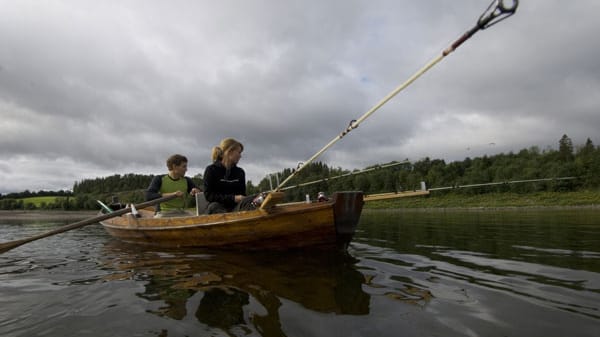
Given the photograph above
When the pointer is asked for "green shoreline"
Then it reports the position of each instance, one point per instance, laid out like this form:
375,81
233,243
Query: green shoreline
436,200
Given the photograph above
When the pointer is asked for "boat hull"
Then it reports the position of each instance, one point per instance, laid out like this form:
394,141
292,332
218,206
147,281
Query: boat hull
284,226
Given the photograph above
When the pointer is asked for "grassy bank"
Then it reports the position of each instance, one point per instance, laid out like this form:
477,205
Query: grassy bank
40,201
493,200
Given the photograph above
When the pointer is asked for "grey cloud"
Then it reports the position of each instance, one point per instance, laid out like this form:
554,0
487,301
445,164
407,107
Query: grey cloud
98,88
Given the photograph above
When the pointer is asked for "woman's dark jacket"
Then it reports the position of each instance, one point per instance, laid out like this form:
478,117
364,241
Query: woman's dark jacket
222,185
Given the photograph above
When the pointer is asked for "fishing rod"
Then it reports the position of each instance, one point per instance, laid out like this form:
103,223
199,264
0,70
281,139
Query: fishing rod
501,183
377,167
497,11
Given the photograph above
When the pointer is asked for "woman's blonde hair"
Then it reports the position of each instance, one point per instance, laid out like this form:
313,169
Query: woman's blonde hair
226,145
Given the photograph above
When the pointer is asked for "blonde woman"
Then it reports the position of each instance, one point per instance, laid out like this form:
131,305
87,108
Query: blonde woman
224,181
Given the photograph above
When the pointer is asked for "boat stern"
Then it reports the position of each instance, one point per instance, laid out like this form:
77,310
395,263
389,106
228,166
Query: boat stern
347,207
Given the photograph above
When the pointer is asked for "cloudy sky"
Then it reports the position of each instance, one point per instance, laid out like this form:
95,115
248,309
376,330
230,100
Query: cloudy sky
96,88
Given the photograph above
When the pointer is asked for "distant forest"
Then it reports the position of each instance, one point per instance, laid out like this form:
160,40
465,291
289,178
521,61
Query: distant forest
581,162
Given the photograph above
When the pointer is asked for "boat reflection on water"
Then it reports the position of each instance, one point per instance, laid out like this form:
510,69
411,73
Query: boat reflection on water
226,289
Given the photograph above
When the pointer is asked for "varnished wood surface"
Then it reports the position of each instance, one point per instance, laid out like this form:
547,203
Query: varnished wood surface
279,227
394,195
272,199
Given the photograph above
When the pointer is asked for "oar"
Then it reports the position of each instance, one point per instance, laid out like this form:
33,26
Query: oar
6,246
497,11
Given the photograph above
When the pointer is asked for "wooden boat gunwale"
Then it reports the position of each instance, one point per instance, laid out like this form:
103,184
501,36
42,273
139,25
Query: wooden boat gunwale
233,218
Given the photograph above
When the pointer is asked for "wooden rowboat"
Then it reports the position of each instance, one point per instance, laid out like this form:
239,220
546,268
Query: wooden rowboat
273,226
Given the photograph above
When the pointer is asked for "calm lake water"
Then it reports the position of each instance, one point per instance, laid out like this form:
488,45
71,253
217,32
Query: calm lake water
407,273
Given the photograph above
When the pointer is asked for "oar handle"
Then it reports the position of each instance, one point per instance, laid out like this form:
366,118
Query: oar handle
497,11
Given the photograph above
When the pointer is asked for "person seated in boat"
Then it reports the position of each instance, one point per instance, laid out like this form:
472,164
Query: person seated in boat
173,183
224,181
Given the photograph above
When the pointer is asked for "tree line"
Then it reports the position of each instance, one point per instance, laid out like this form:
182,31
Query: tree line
582,162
